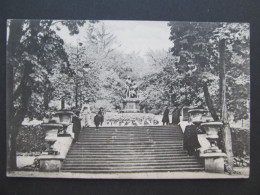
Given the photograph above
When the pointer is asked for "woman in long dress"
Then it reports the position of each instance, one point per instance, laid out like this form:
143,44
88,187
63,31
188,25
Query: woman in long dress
85,115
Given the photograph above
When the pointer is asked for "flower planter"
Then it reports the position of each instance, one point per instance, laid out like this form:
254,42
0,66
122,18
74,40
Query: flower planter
212,129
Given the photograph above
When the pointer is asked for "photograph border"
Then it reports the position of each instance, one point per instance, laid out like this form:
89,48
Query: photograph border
231,11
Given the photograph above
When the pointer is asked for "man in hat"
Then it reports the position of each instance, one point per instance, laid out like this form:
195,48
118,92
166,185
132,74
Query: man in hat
101,115
165,118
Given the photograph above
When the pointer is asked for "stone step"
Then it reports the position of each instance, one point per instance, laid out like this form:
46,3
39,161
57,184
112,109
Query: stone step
131,142
134,147
127,158
137,149
82,152
131,129
130,134
136,127
130,150
126,155
116,164
141,141
131,167
124,149
197,169
125,134
98,145
145,159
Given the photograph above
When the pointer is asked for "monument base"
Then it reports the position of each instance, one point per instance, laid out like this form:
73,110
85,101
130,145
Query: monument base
131,105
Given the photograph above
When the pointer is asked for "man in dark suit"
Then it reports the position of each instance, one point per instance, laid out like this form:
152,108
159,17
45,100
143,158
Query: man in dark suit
76,126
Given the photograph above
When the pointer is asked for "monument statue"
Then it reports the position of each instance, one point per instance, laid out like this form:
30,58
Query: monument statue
131,88
131,102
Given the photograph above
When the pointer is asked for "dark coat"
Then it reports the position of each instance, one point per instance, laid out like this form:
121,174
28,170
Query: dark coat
76,126
176,116
97,120
190,139
165,118
101,115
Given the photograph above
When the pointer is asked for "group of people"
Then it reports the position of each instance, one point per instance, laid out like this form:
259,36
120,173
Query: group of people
82,119
175,116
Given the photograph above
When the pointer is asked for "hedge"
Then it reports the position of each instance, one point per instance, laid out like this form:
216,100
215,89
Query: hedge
31,139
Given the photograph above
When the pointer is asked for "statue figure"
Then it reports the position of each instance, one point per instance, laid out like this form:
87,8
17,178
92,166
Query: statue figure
131,88
128,85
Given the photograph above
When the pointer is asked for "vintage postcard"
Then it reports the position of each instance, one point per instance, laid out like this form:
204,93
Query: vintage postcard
128,99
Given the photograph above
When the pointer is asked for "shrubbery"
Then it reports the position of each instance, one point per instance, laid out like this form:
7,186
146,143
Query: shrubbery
240,141
31,139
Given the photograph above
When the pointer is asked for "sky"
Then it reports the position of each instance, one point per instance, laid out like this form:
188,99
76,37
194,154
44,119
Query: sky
141,36
133,36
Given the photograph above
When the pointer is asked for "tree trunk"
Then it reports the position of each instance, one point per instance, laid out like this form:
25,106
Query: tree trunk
15,116
224,115
209,102
15,32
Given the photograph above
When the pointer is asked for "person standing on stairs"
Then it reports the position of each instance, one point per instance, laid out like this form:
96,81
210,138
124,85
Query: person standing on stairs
85,114
190,139
165,118
176,116
76,126
101,114
97,120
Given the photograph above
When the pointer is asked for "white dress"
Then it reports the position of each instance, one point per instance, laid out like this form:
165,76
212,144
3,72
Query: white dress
85,115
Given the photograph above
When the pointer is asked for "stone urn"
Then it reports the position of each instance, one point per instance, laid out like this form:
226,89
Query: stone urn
195,115
51,131
65,118
212,129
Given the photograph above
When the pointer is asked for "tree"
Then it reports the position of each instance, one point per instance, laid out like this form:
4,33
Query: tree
33,51
165,86
197,64
197,45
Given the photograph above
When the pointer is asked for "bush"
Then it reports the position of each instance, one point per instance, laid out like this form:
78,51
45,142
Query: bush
240,141
31,139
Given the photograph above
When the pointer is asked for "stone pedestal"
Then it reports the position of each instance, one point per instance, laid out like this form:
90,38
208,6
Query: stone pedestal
214,162
131,105
54,162
50,163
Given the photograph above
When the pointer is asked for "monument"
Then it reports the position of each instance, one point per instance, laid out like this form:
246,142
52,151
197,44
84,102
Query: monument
131,100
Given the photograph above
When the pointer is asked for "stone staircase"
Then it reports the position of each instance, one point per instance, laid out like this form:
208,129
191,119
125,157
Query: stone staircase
130,150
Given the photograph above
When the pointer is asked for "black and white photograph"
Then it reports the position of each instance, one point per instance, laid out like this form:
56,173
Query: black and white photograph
127,99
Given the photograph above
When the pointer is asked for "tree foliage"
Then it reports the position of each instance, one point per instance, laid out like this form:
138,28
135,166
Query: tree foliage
33,51
197,46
